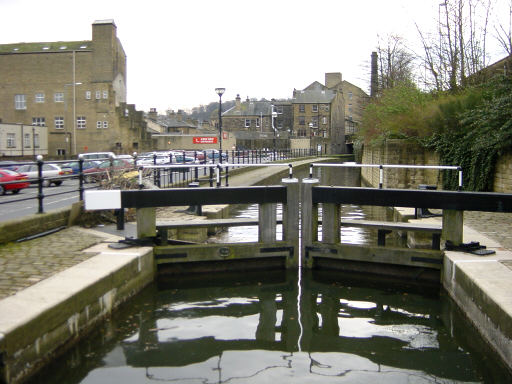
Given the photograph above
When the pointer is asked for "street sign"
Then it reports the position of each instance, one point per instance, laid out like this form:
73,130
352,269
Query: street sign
204,140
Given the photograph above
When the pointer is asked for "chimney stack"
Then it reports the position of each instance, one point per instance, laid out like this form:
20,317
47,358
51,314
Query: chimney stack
374,80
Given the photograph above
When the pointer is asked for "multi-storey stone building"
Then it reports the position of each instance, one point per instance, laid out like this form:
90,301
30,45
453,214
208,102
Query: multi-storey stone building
322,112
76,89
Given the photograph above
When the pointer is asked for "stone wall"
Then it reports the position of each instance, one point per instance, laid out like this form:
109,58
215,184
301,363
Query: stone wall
26,226
503,175
400,152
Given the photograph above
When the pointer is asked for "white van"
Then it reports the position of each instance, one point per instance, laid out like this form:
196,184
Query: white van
102,156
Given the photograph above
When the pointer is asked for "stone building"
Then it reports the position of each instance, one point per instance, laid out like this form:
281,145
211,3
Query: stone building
77,89
321,112
18,140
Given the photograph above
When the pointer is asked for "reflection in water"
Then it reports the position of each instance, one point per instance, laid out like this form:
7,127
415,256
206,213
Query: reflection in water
282,327
260,329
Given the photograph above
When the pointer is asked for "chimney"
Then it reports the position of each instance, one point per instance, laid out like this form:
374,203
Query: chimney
374,79
152,114
332,79
180,115
237,102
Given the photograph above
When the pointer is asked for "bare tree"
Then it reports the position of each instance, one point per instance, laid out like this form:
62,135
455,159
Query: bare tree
504,32
395,62
459,48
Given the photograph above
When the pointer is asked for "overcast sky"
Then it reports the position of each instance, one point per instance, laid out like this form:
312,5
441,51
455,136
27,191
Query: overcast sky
179,51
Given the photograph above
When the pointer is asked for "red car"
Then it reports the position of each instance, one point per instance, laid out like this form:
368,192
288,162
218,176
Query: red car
12,181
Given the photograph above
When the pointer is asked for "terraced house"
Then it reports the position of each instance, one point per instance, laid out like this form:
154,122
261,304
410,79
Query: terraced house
77,89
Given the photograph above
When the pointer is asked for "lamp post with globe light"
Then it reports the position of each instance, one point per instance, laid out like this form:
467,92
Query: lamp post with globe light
220,92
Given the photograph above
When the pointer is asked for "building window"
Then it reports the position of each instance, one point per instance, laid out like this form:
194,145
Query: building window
98,95
61,152
26,140
279,123
302,108
324,120
39,121
105,94
98,124
20,102
350,95
59,122
105,124
59,97
257,122
80,122
247,123
302,120
279,109
36,140
88,95
11,140
39,97
314,121
314,107
327,108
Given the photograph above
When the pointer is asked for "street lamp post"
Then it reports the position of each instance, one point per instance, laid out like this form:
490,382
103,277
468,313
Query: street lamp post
220,92
274,115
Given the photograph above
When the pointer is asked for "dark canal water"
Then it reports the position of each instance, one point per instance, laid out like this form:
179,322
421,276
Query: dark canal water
282,327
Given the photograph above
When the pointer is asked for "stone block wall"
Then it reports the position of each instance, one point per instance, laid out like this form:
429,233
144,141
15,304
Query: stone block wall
503,175
401,152
404,153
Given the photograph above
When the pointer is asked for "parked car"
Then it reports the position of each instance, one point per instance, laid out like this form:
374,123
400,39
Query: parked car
102,156
14,181
99,172
52,173
12,165
74,166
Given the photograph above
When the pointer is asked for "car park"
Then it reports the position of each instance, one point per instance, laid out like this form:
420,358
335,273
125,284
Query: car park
12,181
52,173
75,166
102,156
100,171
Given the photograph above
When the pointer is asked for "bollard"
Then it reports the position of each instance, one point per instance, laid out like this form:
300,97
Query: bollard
309,222
40,195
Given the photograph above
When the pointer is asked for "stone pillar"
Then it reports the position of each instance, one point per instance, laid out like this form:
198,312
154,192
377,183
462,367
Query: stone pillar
267,223
146,222
331,223
309,217
453,226
291,218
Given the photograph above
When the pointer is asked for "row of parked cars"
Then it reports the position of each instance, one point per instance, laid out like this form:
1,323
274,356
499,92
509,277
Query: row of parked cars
15,176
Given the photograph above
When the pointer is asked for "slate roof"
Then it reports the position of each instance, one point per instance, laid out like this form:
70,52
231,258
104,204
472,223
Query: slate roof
173,122
250,108
313,97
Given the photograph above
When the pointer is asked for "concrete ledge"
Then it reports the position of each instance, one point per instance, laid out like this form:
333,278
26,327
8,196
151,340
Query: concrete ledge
480,285
36,323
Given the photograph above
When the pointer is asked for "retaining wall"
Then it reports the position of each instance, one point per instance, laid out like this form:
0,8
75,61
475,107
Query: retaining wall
403,152
37,322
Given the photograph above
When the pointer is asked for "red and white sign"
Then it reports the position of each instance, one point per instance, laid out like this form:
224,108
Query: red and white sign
204,140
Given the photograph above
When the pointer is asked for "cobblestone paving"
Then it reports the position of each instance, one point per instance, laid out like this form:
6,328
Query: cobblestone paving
24,264
496,225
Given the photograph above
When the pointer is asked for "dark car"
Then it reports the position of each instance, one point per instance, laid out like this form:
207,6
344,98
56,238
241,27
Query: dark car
12,181
75,167
100,171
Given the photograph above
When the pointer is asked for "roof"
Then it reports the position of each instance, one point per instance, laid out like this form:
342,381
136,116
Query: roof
312,97
250,108
55,46
173,122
